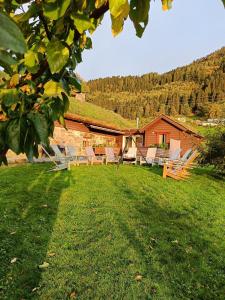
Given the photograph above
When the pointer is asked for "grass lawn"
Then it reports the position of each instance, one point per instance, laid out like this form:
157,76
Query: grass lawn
90,110
110,234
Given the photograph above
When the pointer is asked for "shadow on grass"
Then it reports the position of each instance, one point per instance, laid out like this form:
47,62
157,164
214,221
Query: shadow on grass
175,251
28,209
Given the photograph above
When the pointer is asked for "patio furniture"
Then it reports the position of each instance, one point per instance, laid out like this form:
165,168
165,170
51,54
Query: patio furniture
59,156
179,170
58,160
186,154
93,159
150,157
130,156
173,155
110,156
71,151
183,158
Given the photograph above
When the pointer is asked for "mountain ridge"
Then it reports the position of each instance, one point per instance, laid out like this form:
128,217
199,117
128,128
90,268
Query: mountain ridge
197,88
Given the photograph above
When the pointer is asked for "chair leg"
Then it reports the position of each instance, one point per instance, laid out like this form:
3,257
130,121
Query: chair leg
164,170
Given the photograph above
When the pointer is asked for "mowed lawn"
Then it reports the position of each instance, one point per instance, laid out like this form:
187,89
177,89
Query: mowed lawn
110,233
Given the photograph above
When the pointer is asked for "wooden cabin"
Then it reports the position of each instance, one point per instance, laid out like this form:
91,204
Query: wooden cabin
162,129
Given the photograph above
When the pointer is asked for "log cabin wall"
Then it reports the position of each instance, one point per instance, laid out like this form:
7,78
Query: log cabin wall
162,127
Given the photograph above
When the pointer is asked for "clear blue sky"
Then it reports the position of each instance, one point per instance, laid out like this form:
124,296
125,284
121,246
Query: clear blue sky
192,29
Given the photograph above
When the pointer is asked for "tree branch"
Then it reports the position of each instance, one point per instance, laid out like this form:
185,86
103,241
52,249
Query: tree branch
100,11
42,18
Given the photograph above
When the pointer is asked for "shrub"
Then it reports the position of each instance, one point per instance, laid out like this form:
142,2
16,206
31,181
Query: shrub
213,152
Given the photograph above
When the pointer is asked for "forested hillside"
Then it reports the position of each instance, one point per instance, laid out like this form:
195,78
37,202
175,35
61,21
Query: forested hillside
198,88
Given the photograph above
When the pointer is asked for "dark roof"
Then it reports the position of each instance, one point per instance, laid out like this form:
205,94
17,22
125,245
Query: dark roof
172,122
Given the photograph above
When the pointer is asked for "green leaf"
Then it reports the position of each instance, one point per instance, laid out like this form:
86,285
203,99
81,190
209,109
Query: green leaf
15,133
83,22
117,25
55,9
40,124
62,121
10,35
3,146
139,10
66,102
53,89
57,56
88,44
119,11
30,13
70,37
74,82
31,61
119,8
9,96
6,58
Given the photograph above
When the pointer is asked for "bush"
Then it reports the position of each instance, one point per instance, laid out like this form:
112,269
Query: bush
213,152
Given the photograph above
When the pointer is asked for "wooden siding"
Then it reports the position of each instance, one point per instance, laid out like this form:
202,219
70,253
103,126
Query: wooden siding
152,133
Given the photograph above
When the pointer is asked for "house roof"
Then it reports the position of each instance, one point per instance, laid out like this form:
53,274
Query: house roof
95,124
173,123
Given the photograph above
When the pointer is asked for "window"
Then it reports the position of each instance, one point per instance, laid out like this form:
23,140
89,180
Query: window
128,142
162,139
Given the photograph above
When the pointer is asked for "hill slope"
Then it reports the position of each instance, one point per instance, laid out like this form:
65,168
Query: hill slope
197,88
93,111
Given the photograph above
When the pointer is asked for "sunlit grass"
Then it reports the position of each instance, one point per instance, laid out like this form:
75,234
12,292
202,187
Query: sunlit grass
90,110
110,233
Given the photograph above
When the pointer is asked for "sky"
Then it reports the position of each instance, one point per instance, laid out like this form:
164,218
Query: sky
190,30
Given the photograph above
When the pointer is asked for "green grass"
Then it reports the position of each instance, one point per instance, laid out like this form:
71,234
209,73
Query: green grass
106,226
96,112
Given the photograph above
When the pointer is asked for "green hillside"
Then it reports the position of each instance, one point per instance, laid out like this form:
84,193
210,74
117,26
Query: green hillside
93,111
198,88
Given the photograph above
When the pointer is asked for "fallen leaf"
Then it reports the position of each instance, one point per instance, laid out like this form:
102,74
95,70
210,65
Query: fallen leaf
51,254
13,232
73,295
35,289
13,260
44,265
44,205
138,277
175,242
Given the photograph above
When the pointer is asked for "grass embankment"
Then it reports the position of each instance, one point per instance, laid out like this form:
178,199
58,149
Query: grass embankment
89,110
110,234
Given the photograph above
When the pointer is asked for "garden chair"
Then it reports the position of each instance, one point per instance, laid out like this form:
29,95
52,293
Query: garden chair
183,158
173,155
186,155
59,156
179,170
150,157
93,159
59,162
71,151
130,156
110,156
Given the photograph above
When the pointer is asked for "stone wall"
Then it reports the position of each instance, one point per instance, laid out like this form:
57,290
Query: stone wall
81,139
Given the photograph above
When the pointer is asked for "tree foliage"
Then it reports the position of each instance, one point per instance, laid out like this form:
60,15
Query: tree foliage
41,42
198,88
213,153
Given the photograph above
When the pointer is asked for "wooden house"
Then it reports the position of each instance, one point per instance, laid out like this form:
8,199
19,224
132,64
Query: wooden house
162,129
